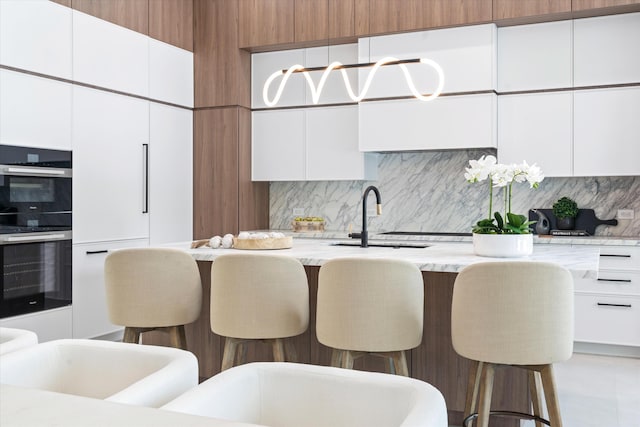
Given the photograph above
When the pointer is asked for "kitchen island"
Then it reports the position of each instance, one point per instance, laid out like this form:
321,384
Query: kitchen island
434,361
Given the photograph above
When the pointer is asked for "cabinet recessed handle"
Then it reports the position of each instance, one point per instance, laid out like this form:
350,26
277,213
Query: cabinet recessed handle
104,251
615,280
606,304
616,255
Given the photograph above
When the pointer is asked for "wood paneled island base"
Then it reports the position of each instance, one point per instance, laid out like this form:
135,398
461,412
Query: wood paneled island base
434,361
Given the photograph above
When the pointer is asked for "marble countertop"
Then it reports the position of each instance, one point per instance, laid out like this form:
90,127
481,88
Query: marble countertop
439,256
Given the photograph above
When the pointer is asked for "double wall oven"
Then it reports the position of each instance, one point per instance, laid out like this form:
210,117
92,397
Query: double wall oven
35,229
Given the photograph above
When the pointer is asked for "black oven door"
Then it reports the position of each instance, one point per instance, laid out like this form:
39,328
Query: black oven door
35,272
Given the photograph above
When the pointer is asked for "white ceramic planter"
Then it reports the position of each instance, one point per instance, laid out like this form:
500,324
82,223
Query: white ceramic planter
503,245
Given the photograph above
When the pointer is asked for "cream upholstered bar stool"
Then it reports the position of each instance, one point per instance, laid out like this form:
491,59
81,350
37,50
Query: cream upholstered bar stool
153,289
513,313
370,306
258,297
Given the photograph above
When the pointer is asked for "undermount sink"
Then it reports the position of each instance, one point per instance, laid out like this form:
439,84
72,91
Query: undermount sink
385,245
424,233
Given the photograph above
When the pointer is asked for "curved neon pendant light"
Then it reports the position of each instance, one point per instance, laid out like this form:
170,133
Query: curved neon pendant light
316,91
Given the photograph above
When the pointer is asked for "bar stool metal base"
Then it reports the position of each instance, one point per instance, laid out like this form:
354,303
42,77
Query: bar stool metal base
513,414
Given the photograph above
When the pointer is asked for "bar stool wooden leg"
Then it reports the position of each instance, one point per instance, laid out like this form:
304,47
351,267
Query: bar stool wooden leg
535,389
178,337
347,359
336,358
473,385
229,353
486,389
551,396
131,335
278,350
290,350
400,363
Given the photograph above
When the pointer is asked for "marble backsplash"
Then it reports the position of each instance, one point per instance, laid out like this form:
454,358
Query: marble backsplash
426,191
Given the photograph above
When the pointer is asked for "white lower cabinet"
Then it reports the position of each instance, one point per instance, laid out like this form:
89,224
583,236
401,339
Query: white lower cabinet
449,122
606,132
90,315
309,144
49,325
607,309
537,128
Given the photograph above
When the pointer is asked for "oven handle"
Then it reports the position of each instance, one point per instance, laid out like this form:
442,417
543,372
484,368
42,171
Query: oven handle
38,171
36,237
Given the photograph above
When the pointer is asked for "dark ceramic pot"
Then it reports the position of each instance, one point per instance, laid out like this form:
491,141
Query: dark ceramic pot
566,223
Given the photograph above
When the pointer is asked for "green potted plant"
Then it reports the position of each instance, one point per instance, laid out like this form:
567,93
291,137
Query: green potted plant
566,211
504,234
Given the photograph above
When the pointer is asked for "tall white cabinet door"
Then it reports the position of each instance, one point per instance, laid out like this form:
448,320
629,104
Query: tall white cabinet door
537,128
34,111
606,50
278,145
35,35
170,73
332,145
170,174
110,137
536,56
606,132
110,56
450,122
90,313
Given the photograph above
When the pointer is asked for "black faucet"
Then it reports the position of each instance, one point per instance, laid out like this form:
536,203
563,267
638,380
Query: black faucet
364,235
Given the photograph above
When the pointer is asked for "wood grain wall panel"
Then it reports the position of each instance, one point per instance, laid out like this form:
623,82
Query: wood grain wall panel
445,13
342,19
222,70
63,2
171,21
254,196
132,14
579,5
508,9
362,19
266,22
215,170
311,20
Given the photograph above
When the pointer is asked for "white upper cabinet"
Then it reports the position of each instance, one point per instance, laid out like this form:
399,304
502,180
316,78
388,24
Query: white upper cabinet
607,134
170,174
332,146
537,127
334,90
278,148
35,35
170,73
309,144
110,56
263,65
467,56
110,137
34,111
466,121
536,56
607,50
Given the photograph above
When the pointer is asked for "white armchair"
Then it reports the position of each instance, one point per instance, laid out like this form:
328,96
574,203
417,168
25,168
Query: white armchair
14,339
128,373
297,395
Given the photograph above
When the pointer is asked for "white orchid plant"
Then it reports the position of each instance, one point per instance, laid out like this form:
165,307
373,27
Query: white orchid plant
502,176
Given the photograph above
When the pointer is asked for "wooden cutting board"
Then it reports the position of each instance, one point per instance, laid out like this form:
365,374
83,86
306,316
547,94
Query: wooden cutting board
263,244
586,220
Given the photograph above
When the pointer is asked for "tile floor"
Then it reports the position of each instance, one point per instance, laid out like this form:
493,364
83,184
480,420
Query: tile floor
598,391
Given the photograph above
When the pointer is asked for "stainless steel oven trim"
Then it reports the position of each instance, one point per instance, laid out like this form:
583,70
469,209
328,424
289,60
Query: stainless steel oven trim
49,236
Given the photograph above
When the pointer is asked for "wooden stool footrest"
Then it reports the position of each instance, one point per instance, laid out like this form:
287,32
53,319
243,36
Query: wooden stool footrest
514,414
